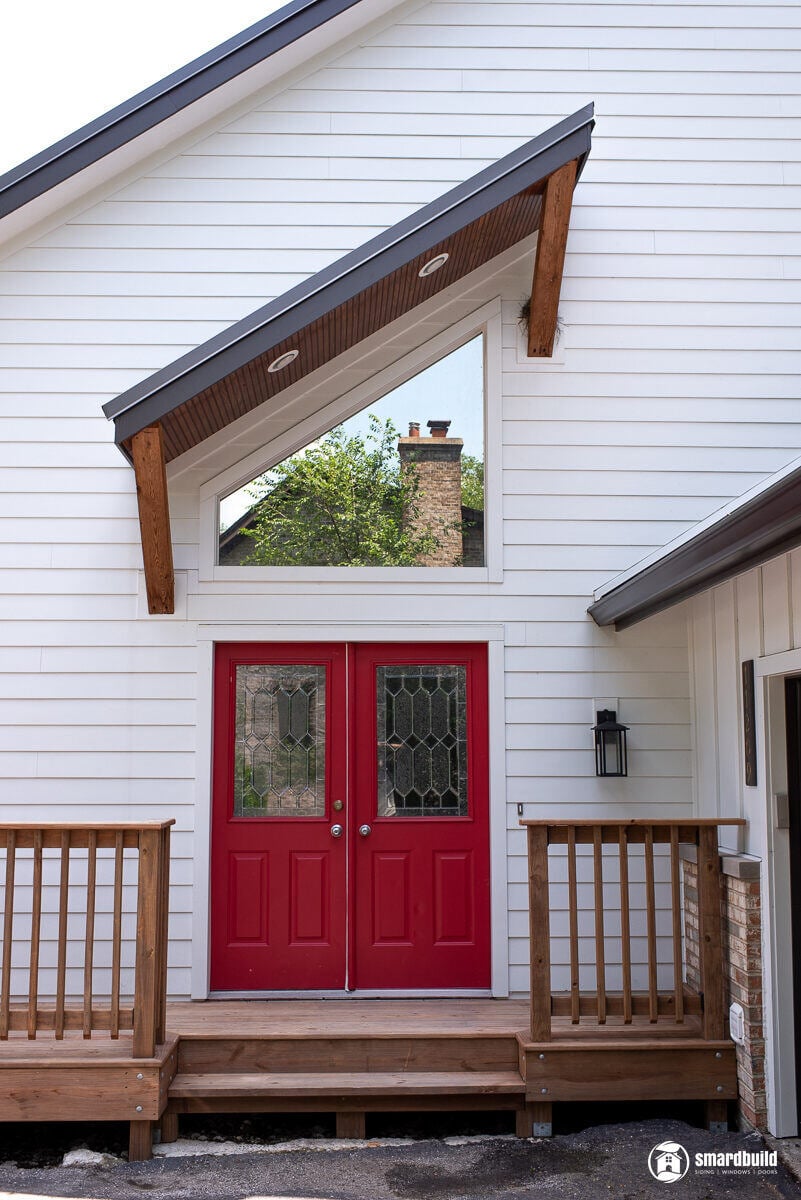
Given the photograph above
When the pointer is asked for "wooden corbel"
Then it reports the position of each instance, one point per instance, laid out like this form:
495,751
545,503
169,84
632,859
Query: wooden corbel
147,450
557,201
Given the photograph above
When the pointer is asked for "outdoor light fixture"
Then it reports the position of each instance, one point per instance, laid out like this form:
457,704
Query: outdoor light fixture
610,744
282,361
433,265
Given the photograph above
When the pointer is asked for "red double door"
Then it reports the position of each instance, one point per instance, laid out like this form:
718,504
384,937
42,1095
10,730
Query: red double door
350,840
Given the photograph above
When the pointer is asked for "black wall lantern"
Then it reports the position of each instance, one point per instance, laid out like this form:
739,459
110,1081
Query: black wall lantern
610,744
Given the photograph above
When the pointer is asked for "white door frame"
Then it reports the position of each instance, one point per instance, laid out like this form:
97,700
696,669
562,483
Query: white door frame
772,844
492,635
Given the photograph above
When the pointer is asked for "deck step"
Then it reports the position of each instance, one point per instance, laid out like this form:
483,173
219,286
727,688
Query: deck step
352,1083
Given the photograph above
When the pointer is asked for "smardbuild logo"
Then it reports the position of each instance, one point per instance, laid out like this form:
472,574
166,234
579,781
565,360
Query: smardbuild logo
669,1162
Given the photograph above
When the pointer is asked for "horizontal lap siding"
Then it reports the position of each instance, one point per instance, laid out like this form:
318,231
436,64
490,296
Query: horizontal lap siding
674,387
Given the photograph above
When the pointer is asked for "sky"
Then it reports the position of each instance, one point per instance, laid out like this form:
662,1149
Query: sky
66,62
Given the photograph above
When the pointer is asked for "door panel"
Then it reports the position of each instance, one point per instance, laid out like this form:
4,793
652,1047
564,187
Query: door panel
388,743
279,766
421,790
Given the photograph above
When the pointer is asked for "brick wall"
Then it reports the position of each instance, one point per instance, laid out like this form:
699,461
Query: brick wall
436,465
742,950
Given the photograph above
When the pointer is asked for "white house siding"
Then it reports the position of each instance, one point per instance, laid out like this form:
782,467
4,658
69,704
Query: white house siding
755,616
673,390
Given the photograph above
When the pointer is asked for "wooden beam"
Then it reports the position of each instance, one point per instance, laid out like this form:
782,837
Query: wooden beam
557,201
147,448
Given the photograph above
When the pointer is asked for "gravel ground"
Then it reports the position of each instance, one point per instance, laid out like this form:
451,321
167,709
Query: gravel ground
589,1164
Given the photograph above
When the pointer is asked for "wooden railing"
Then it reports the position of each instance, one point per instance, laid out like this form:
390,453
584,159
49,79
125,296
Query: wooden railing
62,882
628,844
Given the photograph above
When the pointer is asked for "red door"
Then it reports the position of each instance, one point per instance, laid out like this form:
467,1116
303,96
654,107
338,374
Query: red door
350,818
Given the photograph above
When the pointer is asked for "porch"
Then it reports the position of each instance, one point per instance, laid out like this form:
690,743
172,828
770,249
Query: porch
91,903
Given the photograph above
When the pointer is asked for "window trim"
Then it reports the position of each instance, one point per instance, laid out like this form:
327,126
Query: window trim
486,320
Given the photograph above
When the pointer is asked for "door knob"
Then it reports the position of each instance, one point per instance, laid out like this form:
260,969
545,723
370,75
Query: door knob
365,830
337,831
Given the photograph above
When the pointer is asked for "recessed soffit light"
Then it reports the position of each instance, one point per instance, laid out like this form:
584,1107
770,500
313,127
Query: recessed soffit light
282,361
433,265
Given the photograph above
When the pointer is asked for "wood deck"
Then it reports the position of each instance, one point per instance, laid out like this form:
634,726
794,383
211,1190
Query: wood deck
147,1061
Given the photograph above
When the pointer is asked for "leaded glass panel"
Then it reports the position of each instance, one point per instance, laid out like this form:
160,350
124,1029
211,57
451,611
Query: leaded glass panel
279,752
422,741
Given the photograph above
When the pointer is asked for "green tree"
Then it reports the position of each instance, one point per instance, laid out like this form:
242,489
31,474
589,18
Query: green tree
472,482
340,502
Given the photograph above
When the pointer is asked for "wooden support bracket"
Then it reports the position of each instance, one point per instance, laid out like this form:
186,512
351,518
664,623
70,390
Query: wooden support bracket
557,201
147,448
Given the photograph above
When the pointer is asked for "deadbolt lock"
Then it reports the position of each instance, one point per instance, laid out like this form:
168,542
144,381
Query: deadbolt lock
338,806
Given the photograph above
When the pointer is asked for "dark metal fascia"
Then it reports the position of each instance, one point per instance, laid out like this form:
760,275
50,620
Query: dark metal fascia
149,108
288,314
763,527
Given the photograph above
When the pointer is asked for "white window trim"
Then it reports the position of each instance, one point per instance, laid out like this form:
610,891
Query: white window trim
486,320
492,635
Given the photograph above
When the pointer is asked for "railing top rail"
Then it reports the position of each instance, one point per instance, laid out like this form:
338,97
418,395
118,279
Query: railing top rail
563,823
106,826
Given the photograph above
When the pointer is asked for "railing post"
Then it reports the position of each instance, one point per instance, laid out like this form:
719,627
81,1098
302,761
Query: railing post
539,933
145,1017
710,936
163,933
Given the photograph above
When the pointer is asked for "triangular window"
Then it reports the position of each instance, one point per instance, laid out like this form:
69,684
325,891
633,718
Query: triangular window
398,484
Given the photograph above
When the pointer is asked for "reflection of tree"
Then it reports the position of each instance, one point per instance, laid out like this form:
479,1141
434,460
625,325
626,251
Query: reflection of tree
341,502
472,482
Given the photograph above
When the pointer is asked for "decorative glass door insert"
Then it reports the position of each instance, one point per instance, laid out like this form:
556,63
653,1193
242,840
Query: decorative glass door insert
279,753
422,740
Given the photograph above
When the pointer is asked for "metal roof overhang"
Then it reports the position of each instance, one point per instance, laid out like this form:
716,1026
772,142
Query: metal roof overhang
163,100
226,377
762,526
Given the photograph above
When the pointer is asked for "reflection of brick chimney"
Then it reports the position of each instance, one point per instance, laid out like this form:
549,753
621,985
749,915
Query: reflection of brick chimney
436,464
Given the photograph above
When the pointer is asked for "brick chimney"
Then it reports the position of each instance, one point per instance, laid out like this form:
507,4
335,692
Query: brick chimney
436,464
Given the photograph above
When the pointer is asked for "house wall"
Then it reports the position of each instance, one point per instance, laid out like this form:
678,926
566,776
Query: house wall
671,391
754,616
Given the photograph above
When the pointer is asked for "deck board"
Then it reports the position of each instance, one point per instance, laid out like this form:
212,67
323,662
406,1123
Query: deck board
346,1018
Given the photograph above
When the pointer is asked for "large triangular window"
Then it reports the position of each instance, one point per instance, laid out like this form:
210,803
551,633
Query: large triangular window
398,484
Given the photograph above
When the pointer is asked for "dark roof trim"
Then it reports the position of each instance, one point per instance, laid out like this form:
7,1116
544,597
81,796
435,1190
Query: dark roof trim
149,108
287,315
761,527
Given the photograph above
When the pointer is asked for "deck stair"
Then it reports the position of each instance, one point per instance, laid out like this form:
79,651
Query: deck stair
349,1058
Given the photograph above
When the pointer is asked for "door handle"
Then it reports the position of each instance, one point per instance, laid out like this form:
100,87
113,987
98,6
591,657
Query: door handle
365,830
337,831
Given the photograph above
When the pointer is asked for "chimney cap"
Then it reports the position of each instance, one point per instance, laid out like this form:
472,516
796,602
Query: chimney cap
439,428
414,429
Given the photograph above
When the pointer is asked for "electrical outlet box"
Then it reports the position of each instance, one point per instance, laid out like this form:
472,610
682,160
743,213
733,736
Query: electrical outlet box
737,1024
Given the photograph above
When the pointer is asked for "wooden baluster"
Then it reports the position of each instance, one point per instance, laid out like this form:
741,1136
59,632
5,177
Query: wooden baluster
89,943
8,933
116,935
539,933
650,904
675,901
36,933
164,916
600,960
572,889
710,934
147,936
625,921
63,916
